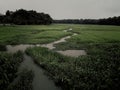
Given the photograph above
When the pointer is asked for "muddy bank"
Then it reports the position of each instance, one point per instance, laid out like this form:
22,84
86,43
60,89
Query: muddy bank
41,81
73,53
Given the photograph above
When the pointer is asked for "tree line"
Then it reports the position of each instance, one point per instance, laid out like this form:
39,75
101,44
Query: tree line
24,17
106,21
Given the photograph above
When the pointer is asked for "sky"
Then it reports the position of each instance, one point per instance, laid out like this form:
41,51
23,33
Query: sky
66,9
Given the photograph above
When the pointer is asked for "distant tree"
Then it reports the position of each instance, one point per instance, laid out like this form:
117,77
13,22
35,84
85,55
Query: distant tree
105,21
7,13
24,17
1,18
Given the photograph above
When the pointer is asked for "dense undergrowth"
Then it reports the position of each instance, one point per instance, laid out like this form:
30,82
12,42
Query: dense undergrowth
9,64
23,82
2,47
99,70
102,63
10,78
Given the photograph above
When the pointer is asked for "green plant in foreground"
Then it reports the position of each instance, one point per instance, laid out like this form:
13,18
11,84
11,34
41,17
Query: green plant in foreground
9,64
2,48
91,72
24,81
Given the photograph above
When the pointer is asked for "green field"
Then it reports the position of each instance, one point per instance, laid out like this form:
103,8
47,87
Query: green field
45,34
31,34
91,34
98,70
97,34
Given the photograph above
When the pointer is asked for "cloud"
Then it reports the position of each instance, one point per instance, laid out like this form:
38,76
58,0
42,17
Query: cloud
60,9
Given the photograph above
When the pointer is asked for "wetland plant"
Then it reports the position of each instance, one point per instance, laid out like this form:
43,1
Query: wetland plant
9,64
92,72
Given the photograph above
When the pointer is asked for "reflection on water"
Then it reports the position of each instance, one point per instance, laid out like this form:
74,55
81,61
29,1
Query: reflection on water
73,53
41,81
67,30
15,48
22,47
51,45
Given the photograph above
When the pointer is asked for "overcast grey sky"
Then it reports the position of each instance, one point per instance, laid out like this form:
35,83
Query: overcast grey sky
64,9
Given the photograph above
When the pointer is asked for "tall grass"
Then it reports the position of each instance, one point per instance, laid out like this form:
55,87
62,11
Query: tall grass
92,72
32,34
24,81
9,64
2,47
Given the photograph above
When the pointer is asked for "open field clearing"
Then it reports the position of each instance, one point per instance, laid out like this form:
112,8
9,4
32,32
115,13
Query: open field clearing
97,33
60,45
97,69
91,34
31,34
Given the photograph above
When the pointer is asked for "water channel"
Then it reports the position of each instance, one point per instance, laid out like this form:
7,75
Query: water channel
41,81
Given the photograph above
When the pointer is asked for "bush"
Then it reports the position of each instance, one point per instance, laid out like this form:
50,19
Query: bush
24,81
96,71
2,48
9,64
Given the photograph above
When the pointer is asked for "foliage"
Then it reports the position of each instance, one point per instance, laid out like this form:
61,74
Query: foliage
106,21
9,64
2,48
24,81
24,17
31,34
97,71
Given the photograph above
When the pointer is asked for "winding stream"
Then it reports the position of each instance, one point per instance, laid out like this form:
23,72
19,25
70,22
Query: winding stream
41,81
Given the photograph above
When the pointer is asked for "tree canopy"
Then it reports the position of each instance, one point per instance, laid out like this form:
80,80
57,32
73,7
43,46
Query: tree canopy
105,21
24,17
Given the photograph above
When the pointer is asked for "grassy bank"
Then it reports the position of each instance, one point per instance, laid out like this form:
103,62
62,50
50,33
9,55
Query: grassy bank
91,35
93,72
98,70
10,79
9,64
2,47
24,81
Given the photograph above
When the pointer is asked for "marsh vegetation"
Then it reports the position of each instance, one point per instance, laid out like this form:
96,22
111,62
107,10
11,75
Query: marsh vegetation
97,70
9,64
31,34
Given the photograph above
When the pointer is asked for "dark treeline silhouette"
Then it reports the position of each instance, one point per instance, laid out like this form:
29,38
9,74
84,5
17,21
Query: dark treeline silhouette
110,21
77,21
24,17
105,21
